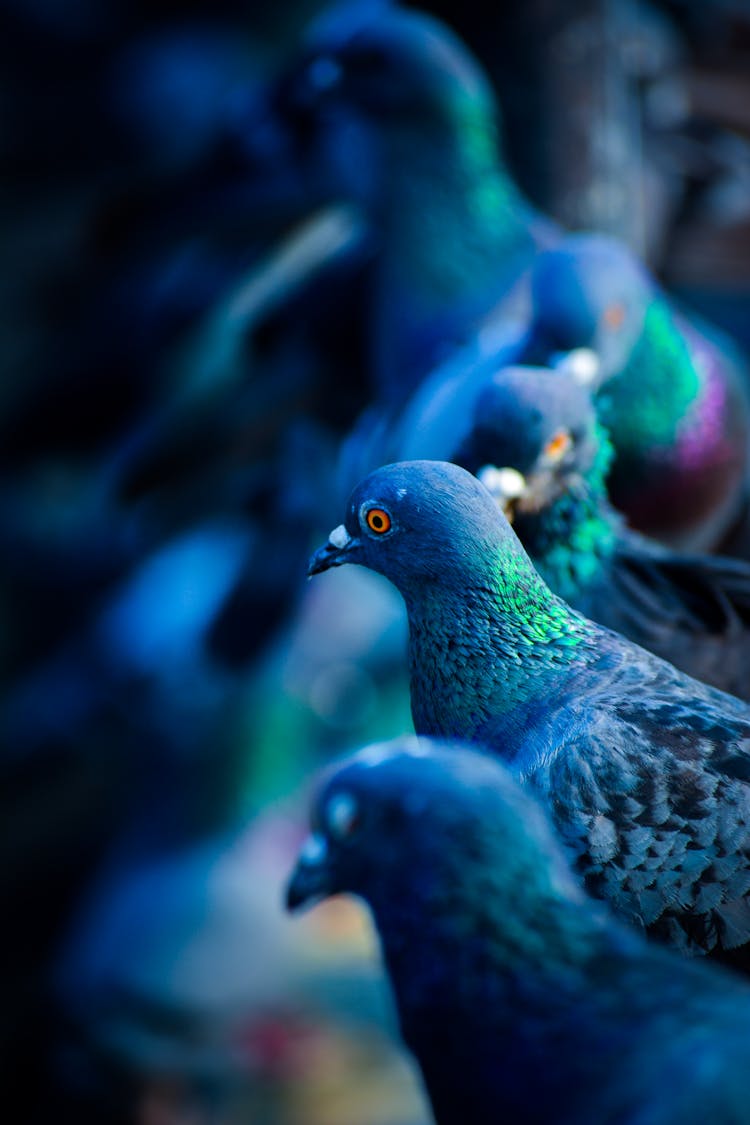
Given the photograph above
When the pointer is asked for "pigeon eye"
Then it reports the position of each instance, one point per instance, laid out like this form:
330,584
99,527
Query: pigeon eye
324,73
614,316
378,520
557,446
342,815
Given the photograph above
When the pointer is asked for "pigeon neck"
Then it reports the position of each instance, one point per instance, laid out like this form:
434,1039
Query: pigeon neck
644,403
451,209
493,641
455,238
495,1007
572,540
486,950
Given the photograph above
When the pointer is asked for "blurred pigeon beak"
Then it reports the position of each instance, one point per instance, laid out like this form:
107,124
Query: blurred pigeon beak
333,553
311,879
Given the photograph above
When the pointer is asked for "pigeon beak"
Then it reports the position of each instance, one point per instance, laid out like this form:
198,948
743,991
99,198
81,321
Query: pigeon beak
311,879
332,553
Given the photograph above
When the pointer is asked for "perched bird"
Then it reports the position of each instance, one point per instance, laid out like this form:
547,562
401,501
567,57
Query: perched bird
672,394
536,442
671,391
645,770
455,245
520,997
406,122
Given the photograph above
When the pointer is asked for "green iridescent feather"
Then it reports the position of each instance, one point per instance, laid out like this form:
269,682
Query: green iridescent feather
572,541
668,383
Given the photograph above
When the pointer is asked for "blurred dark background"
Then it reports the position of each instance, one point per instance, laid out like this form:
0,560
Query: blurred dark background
184,350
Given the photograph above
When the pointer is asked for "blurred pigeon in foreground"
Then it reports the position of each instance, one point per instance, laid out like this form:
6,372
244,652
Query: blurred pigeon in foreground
520,998
537,445
645,770
180,973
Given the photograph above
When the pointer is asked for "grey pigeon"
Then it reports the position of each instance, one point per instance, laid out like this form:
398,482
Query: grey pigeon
645,771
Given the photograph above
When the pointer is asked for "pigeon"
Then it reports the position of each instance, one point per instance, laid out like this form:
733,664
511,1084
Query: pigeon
671,390
645,771
520,997
536,442
406,123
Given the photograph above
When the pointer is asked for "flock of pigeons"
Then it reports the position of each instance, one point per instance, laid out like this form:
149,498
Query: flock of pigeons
580,783
320,284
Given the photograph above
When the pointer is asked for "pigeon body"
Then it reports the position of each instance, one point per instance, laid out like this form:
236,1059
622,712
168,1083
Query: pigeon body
394,92
535,440
520,998
644,769
671,393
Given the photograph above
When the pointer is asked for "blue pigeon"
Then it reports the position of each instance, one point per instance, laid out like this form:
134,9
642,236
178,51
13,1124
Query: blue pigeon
671,391
537,443
645,771
406,121
521,999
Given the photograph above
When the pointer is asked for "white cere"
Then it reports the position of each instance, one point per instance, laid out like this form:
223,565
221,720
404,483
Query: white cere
503,484
339,537
341,814
313,850
582,364
414,746
374,754
379,752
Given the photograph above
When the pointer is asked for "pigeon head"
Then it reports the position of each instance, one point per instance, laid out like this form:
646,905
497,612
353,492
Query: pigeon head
479,613
534,437
423,523
403,122
388,64
384,91
590,292
403,825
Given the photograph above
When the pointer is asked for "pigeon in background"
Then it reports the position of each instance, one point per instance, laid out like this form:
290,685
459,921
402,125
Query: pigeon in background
179,980
120,746
645,771
539,447
520,998
407,123
671,391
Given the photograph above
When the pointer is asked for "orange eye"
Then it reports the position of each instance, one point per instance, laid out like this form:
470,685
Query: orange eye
557,446
378,521
614,316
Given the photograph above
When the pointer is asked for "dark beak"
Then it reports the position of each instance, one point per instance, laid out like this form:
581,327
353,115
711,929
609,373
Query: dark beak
333,553
311,879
